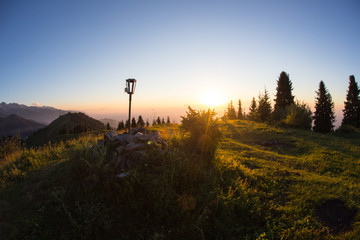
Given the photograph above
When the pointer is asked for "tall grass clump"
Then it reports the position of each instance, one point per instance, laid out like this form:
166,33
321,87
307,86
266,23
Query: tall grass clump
203,131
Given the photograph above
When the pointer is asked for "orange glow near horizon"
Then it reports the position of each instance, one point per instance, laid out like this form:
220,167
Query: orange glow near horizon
212,98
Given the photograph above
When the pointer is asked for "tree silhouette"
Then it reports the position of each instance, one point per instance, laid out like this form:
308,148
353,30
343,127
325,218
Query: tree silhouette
154,122
140,121
127,124
121,125
168,120
107,126
284,96
162,121
158,121
324,111
253,110
133,122
240,111
230,112
147,123
352,104
264,108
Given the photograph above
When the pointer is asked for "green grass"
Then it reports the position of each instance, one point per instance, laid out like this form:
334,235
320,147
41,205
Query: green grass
246,191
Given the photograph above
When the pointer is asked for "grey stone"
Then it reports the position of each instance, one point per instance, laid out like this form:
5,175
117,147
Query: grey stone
120,149
120,139
134,146
128,138
109,136
122,175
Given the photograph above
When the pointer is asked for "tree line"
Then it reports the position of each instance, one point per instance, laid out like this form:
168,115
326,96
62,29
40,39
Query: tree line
291,112
139,123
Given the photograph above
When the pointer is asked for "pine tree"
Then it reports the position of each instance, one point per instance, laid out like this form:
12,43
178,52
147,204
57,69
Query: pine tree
154,122
230,112
127,124
264,108
140,121
121,125
284,96
240,111
352,104
168,120
324,111
253,106
133,122
108,127
147,123
158,121
162,121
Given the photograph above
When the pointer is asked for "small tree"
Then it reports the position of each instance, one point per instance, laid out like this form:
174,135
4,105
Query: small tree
240,111
264,108
352,104
121,125
158,121
140,121
133,122
127,124
153,122
298,115
108,127
253,114
168,120
230,112
324,111
147,123
162,121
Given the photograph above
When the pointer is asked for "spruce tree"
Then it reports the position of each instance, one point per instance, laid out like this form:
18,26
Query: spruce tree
108,127
121,125
324,111
154,122
147,123
264,108
133,122
352,104
158,121
168,120
253,115
140,121
231,113
284,96
240,111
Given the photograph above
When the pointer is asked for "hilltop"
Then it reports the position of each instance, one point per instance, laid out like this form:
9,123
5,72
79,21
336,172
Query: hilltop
65,127
263,182
13,125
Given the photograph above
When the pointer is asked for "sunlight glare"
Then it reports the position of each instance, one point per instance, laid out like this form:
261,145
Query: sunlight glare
212,98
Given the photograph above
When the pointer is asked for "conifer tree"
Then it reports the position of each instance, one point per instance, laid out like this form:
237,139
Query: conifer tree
121,125
264,108
158,121
162,121
140,121
168,120
284,96
231,112
154,122
324,111
107,126
352,104
147,123
133,122
253,106
240,111
127,124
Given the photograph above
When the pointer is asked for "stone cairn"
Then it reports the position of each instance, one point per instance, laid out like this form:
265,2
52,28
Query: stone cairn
129,149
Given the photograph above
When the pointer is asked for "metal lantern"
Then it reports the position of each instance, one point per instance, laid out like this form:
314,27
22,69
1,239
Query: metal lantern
130,89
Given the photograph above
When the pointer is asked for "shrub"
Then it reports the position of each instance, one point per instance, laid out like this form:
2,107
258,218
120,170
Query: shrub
203,131
9,145
298,115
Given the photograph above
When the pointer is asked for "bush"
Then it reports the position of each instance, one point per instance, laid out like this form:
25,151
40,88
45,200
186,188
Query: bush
203,131
9,145
348,131
298,115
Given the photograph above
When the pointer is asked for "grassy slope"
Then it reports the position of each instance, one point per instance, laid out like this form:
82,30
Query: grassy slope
291,179
253,192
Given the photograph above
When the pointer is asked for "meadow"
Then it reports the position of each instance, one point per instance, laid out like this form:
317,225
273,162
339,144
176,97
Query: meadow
262,182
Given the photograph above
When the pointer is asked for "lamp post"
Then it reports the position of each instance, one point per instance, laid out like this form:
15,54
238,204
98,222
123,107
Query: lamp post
130,89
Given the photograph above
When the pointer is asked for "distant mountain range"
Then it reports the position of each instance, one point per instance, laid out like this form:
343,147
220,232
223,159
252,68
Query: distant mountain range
43,114
13,125
65,127
113,123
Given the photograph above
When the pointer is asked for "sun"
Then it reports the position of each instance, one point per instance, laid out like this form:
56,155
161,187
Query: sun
212,98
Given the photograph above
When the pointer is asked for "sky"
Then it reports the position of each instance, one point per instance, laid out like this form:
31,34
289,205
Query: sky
76,55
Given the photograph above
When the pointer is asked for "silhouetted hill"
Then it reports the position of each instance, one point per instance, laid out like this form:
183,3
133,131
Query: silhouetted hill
38,114
14,124
65,127
113,123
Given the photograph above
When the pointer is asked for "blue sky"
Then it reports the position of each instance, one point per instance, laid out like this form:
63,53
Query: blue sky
77,54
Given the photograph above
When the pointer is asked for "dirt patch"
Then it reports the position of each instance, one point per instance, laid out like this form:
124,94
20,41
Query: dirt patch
335,215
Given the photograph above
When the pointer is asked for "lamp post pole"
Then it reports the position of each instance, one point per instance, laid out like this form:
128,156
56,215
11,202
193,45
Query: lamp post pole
130,89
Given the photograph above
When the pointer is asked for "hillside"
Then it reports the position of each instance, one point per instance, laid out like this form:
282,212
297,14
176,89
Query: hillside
13,125
65,127
263,183
38,114
113,123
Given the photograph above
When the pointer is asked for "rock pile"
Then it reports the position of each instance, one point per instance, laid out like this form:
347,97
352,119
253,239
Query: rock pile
129,149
